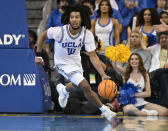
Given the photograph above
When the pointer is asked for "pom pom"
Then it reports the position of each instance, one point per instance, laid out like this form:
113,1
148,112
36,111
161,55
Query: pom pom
146,40
126,94
111,53
151,39
123,53
119,53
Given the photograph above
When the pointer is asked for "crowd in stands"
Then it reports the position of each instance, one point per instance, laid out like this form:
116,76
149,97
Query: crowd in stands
112,23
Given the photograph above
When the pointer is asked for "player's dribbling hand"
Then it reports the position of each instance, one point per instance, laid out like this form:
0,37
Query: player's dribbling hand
106,77
39,60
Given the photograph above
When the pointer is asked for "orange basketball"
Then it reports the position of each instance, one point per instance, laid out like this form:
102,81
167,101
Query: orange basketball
107,89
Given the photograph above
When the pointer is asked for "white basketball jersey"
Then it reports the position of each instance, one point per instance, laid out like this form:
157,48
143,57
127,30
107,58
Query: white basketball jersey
67,47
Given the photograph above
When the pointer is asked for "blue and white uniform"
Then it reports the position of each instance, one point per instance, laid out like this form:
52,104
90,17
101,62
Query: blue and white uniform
152,36
141,85
67,48
105,33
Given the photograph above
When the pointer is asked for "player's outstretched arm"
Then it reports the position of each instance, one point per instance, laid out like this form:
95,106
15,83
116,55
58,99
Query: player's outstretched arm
38,58
41,41
96,63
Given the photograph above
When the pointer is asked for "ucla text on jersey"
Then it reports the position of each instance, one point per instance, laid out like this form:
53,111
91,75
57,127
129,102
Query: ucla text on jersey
71,47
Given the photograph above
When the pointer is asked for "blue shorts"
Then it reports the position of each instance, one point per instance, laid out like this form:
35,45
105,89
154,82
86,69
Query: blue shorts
140,107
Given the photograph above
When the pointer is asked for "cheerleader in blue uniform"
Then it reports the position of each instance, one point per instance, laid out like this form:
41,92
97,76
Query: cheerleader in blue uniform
136,74
146,19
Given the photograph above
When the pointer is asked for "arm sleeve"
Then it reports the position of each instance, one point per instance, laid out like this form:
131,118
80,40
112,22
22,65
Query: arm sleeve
89,41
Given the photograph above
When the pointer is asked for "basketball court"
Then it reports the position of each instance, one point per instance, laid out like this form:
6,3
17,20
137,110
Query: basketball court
57,122
24,87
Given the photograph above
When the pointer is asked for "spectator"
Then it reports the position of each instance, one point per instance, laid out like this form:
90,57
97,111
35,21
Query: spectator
32,38
161,5
128,9
114,4
55,20
104,26
164,16
146,19
117,15
136,43
91,5
159,67
135,73
162,27
150,3
71,2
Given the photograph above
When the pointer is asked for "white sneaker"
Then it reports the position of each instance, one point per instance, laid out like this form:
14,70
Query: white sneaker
152,118
109,127
63,98
150,112
108,114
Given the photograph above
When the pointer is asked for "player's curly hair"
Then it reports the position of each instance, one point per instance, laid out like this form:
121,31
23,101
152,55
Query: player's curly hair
85,13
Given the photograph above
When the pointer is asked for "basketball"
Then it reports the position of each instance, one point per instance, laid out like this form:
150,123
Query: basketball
107,89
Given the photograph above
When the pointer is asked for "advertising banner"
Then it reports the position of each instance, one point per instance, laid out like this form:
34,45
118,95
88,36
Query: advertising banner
13,24
23,86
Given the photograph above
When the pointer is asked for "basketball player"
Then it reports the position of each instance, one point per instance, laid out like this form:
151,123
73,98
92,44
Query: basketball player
68,42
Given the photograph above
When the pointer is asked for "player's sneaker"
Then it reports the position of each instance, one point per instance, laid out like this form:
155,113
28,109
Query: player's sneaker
109,127
63,97
150,112
108,114
152,118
